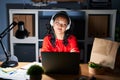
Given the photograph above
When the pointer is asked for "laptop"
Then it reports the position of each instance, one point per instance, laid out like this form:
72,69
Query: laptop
60,62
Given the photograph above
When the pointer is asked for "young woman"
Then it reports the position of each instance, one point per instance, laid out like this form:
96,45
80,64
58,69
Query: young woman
59,38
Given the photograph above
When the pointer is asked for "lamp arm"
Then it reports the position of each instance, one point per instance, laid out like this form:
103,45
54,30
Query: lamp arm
8,29
7,63
5,50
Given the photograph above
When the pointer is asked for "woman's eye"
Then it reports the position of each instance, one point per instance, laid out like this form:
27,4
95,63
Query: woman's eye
65,24
57,23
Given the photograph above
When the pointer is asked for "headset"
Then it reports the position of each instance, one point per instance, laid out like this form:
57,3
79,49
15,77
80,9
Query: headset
61,12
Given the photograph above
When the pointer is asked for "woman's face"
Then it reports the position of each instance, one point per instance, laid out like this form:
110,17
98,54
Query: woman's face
60,25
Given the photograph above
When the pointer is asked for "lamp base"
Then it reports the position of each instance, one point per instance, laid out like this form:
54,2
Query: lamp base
9,64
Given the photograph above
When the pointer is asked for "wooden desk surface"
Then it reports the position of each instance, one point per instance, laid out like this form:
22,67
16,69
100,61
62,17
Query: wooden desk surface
83,72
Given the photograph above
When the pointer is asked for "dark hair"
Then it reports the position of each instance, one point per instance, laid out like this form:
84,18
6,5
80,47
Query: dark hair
61,14
51,31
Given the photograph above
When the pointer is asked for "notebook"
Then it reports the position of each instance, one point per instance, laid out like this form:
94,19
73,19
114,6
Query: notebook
60,62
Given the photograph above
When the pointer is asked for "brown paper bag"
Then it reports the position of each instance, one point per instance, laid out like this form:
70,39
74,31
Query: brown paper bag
104,52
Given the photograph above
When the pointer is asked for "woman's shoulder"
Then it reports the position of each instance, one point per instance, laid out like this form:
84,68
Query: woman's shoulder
72,37
47,37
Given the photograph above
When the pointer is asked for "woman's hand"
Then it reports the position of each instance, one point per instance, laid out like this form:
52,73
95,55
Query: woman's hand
73,50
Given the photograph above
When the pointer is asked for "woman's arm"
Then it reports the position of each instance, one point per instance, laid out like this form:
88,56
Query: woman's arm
46,45
73,44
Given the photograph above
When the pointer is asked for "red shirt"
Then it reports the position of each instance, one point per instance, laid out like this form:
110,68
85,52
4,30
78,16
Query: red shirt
59,46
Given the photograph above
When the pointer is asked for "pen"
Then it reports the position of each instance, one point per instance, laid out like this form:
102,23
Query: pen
12,72
23,68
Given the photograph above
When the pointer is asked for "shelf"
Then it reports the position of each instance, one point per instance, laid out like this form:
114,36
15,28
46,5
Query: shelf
86,25
29,22
26,40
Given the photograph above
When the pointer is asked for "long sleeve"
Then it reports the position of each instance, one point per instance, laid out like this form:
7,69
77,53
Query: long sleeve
73,44
46,46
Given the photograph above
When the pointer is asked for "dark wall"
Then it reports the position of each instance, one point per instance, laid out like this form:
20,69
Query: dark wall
7,4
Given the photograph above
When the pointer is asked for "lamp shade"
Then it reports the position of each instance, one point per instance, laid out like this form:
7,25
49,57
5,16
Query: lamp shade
21,33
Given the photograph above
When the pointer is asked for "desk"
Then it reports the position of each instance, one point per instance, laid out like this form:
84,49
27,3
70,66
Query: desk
84,72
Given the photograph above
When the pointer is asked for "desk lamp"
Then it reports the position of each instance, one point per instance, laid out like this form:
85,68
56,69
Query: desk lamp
8,62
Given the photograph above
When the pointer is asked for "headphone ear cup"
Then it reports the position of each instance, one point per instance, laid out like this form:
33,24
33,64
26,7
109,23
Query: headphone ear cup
51,22
68,26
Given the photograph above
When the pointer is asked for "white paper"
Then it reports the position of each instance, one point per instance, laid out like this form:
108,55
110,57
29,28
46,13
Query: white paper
19,74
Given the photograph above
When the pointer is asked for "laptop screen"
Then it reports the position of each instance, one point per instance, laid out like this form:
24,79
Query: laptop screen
61,62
